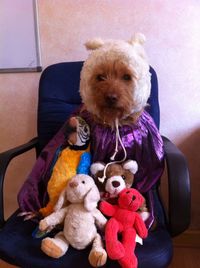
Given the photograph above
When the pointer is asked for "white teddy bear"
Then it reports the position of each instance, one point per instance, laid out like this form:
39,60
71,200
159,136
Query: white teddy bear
80,219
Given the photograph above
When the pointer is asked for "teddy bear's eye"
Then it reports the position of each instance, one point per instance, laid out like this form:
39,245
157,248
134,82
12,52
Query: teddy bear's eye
83,182
100,77
126,77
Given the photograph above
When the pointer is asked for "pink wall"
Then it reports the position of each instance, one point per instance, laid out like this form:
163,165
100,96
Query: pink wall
173,46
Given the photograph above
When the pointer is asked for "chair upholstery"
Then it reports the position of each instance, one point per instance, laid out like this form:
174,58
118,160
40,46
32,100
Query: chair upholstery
58,97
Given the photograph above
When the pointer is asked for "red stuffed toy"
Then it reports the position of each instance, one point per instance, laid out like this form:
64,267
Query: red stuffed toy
127,222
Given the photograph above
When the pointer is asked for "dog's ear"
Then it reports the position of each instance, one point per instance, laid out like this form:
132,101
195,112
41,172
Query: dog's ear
61,200
92,198
131,165
96,167
138,38
94,43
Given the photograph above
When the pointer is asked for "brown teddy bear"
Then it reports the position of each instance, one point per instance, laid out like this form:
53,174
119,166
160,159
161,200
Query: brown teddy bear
113,178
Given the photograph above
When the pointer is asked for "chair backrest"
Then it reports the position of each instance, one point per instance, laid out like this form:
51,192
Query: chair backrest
59,97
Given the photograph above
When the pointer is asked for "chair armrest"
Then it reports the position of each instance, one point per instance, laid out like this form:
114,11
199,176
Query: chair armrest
5,158
179,188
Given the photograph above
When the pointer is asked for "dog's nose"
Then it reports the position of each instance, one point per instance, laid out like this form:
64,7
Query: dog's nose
73,184
115,184
133,197
111,99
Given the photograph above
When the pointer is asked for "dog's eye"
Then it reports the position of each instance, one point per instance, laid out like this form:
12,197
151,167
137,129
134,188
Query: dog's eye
126,77
100,77
123,177
83,182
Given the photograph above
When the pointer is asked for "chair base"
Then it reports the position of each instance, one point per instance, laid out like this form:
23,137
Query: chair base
18,247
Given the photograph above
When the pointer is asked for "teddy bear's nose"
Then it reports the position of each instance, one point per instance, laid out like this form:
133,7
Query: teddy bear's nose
115,184
133,197
73,184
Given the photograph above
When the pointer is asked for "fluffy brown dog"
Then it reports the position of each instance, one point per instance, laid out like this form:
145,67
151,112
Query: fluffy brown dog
115,87
115,80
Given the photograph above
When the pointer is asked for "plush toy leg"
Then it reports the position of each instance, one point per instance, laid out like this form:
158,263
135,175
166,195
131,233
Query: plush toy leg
128,240
98,255
114,247
55,247
45,211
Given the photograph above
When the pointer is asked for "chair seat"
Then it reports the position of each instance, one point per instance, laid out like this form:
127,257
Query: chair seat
18,247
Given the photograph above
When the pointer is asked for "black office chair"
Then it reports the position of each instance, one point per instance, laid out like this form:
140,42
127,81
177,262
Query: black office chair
58,97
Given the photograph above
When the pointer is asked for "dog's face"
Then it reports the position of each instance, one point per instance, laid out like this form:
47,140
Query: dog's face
112,86
115,81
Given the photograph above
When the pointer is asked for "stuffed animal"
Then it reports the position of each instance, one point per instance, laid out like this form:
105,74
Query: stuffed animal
80,219
111,180
73,159
125,221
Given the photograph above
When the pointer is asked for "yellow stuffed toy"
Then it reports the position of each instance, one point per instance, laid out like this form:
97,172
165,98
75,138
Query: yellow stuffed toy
72,160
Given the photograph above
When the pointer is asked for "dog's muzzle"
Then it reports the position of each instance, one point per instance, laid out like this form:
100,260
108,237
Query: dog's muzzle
111,99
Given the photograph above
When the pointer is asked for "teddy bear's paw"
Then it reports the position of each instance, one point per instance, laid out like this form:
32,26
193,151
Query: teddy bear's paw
115,250
98,257
49,247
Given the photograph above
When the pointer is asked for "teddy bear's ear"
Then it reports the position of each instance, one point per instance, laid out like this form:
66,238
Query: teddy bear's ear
61,201
137,38
96,167
131,165
94,43
92,198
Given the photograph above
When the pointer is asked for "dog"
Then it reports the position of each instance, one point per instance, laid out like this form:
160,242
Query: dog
115,80
115,85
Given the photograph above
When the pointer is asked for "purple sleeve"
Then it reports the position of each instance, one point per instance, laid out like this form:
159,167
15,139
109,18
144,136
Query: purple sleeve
32,196
33,193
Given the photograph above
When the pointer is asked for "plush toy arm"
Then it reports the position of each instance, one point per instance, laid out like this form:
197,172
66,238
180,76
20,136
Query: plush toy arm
84,165
140,226
100,220
107,209
53,219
